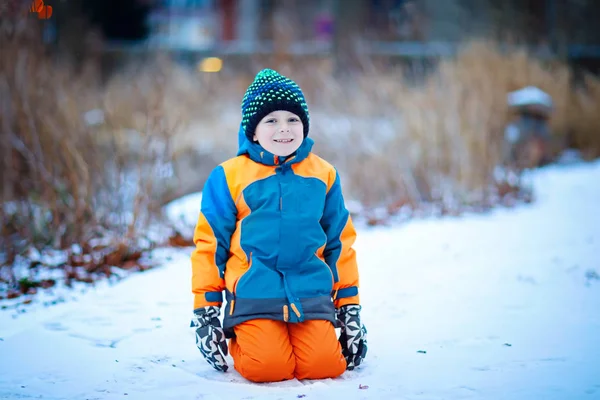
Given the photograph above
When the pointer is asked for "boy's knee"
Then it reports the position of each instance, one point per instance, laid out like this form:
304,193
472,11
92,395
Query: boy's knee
262,351
321,365
267,369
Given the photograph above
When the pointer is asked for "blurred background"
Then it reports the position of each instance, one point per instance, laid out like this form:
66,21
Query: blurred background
110,109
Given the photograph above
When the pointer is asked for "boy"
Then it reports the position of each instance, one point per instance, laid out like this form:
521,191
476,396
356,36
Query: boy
274,234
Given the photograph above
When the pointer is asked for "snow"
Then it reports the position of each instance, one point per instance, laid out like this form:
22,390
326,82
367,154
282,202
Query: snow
529,95
94,117
183,213
497,306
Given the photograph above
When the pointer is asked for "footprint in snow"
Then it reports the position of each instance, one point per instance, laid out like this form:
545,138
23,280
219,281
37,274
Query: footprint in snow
55,326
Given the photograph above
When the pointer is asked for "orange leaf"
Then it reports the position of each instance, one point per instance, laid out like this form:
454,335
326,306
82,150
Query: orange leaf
45,12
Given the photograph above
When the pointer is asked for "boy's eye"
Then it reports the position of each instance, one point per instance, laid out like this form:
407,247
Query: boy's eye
270,120
293,119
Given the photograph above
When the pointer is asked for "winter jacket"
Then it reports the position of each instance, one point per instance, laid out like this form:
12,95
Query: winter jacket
276,237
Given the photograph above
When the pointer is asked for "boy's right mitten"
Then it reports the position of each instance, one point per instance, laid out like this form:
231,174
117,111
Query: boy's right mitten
210,337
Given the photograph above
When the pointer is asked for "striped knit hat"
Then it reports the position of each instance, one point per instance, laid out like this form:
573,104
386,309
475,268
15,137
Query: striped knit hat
270,92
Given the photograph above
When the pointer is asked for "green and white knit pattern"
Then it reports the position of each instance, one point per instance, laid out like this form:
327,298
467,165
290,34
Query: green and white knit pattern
272,91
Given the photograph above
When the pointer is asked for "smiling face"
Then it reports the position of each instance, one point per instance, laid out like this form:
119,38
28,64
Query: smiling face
280,133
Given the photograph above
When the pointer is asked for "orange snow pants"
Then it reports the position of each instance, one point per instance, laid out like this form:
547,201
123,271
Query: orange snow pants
264,350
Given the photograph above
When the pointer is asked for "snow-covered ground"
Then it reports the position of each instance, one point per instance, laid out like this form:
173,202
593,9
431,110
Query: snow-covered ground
498,306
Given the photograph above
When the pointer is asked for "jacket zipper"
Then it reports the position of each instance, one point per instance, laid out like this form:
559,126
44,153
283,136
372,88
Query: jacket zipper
280,194
236,283
334,293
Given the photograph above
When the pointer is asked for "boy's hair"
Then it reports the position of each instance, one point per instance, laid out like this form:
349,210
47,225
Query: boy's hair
270,92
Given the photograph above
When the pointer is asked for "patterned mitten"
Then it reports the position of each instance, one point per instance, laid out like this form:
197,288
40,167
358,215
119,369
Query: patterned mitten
210,338
353,337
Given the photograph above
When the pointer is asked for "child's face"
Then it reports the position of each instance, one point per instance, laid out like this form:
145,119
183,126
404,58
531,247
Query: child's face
280,132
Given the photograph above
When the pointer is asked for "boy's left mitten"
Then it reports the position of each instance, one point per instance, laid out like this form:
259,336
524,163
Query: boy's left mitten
353,335
210,337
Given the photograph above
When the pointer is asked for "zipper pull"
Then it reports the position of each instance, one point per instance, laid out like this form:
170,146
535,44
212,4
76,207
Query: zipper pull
295,310
280,203
286,313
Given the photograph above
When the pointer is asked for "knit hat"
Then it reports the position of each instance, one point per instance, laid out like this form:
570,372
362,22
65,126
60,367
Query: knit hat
270,92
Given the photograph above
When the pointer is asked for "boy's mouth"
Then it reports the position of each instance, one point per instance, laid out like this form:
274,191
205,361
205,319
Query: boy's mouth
283,140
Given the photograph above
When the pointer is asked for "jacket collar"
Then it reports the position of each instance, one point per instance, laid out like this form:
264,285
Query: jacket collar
258,154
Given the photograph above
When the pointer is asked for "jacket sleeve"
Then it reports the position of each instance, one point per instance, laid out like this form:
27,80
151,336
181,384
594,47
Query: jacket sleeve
212,236
338,252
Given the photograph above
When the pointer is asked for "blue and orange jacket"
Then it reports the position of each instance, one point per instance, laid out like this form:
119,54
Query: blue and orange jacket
276,237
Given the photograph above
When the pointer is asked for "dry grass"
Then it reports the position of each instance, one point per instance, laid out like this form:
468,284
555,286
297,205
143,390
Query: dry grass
439,141
399,142
164,127
582,119
68,181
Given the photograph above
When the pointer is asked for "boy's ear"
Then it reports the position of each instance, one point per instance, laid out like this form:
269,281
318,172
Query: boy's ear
254,138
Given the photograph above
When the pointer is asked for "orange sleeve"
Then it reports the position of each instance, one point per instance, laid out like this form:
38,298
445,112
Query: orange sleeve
339,253
212,237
